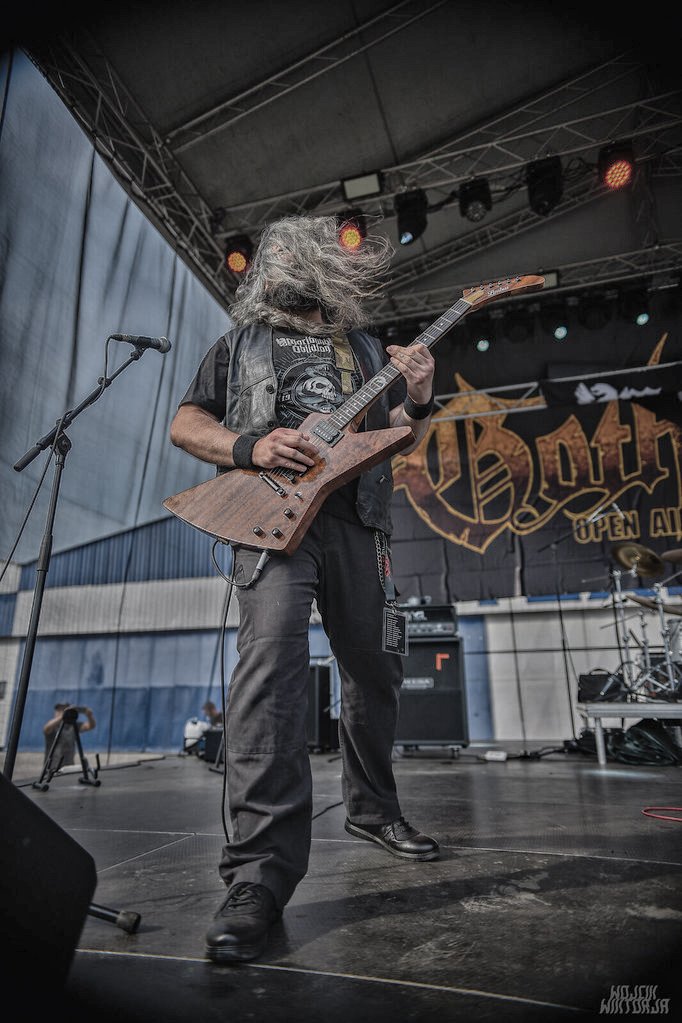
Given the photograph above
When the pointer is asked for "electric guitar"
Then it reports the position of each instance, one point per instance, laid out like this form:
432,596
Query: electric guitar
271,509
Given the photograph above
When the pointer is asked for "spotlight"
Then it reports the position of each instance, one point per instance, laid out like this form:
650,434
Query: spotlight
238,252
634,306
410,208
518,326
483,330
554,319
352,229
594,312
544,179
475,199
616,165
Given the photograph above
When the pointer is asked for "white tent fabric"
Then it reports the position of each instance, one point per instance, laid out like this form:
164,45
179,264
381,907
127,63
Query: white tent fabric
79,262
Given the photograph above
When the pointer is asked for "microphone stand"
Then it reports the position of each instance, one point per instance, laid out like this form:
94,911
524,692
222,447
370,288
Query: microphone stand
61,445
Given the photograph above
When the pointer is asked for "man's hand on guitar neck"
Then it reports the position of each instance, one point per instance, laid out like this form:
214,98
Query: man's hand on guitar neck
416,364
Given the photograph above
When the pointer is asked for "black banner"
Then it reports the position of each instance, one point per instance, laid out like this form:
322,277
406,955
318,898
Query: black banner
528,496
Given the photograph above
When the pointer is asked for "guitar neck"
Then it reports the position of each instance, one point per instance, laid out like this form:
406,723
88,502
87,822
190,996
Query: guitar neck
357,405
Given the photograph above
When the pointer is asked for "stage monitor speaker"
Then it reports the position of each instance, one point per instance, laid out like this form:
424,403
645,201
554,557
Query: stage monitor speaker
321,728
214,749
433,710
47,882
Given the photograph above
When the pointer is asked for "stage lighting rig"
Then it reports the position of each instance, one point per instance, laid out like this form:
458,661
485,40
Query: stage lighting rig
352,229
475,199
544,180
411,210
616,165
238,253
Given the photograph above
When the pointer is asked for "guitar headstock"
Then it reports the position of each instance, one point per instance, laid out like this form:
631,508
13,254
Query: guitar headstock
485,293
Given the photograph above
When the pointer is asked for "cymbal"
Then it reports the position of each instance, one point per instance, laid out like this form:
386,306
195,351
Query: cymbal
674,557
634,555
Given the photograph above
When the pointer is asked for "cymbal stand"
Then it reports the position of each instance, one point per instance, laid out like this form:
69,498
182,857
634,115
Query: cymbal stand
622,631
660,679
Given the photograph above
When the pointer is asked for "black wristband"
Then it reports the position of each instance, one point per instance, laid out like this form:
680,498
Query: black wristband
242,450
415,411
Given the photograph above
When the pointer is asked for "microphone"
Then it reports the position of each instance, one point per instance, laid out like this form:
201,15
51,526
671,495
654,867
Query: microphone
161,344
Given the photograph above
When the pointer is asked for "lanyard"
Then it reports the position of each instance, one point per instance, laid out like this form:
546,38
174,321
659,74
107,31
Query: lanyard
384,565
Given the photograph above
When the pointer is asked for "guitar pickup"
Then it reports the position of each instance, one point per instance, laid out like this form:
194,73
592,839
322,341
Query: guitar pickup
327,433
271,483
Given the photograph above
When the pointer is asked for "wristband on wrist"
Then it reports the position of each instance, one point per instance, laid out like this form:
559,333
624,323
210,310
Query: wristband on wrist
242,451
415,411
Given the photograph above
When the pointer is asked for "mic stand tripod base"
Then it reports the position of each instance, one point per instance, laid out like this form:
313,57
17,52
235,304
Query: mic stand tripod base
124,919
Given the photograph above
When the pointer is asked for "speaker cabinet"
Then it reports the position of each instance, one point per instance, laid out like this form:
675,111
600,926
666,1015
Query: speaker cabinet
433,697
47,882
214,748
321,728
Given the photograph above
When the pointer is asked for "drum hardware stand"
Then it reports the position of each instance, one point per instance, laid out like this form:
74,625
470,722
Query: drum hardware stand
60,446
89,776
622,630
659,679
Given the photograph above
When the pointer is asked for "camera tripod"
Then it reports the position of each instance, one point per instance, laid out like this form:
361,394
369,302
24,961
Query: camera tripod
53,760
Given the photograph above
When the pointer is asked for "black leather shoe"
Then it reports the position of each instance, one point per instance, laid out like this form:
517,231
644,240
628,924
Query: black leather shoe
398,837
241,926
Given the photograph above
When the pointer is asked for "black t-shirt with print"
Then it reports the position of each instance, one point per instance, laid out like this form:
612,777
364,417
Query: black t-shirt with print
308,379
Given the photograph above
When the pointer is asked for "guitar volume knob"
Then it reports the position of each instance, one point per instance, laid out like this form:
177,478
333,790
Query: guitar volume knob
289,513
278,533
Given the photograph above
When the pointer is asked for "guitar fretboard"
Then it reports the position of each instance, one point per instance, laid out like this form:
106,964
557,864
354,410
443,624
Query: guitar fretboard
359,402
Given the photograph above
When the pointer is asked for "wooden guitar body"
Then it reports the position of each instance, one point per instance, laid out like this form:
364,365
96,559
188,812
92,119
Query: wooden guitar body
271,509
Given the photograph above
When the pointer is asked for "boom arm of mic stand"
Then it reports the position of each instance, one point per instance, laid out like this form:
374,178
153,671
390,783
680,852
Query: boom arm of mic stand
68,417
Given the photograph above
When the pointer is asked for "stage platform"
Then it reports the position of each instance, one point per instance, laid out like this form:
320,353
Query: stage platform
554,896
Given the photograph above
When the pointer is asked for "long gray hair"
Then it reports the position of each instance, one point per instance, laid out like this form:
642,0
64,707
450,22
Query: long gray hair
299,264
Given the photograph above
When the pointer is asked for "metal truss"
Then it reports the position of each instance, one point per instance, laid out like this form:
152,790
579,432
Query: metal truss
494,233
301,72
501,146
657,263
150,172
137,156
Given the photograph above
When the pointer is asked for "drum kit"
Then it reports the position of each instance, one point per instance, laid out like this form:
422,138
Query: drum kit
648,672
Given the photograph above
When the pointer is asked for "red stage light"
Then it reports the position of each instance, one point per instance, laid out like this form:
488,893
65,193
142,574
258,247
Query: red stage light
616,165
350,237
238,252
352,229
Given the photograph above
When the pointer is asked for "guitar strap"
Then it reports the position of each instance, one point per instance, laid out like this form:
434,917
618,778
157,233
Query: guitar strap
345,362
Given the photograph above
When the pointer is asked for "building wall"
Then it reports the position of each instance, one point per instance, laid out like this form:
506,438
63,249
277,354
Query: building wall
145,654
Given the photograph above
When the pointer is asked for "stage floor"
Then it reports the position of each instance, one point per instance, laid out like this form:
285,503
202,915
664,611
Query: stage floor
553,890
